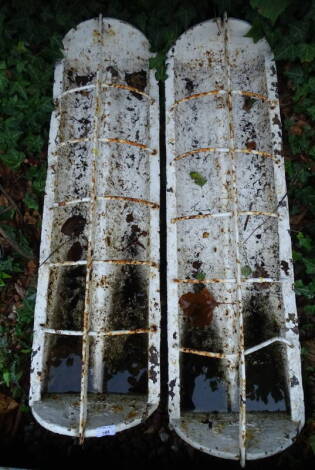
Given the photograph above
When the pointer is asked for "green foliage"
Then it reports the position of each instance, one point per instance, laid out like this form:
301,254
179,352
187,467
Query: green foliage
270,9
8,266
15,346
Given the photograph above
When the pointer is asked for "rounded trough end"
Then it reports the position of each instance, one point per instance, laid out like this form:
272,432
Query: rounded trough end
208,36
107,32
47,420
203,433
105,415
218,435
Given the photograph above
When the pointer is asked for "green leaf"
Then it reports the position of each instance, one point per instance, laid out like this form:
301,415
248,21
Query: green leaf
305,242
30,201
307,291
12,158
306,52
6,378
310,265
246,271
200,276
256,31
270,9
309,309
312,442
295,74
198,178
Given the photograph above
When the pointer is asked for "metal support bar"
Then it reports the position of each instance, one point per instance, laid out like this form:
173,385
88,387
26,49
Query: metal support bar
137,331
108,140
251,94
106,85
242,375
90,250
224,150
223,214
207,353
152,205
267,343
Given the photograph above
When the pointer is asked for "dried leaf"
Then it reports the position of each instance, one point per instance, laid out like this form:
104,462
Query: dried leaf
7,404
199,307
75,252
74,225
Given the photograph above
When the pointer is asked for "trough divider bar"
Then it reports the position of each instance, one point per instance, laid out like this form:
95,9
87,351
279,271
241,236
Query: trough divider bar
151,204
173,333
230,149
252,94
242,374
91,234
248,351
223,214
138,331
153,351
105,85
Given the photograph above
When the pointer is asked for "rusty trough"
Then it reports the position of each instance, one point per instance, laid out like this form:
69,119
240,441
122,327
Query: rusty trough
235,388
95,359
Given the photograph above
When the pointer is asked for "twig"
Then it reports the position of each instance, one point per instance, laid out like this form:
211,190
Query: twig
268,217
51,253
9,198
14,245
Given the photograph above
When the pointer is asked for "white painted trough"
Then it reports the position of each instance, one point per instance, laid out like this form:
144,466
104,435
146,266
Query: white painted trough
95,360
235,388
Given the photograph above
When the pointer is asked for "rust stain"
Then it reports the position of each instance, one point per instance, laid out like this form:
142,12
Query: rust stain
198,306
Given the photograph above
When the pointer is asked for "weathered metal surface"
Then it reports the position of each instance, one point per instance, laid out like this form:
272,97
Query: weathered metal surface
97,320
232,336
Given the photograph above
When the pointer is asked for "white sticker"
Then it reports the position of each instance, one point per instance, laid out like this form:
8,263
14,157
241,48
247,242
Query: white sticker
106,431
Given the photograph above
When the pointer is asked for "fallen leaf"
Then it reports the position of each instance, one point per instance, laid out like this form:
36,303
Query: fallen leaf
198,306
7,404
74,225
75,252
